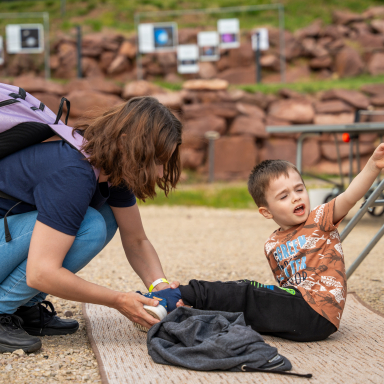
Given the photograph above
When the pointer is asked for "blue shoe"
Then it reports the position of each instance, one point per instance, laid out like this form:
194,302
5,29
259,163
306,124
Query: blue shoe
167,299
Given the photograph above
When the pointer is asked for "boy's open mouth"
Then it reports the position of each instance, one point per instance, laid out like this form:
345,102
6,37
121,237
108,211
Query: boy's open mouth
299,210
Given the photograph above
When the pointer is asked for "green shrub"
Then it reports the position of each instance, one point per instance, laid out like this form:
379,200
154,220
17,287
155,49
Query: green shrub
96,25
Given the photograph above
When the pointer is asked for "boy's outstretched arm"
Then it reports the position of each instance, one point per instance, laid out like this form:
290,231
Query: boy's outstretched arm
360,184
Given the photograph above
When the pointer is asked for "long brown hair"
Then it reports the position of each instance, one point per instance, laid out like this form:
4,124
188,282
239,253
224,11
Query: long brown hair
130,140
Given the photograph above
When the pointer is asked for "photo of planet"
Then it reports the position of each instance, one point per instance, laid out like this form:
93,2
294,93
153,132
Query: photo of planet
164,37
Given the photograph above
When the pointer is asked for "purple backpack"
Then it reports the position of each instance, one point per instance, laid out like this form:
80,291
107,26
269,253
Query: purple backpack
26,121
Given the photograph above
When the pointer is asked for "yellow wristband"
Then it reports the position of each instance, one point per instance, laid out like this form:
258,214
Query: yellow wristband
156,282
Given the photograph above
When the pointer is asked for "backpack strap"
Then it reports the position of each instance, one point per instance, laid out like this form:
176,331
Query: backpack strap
4,195
60,111
8,197
7,234
75,140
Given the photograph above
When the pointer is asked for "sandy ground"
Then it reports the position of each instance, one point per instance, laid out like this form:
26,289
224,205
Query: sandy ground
204,243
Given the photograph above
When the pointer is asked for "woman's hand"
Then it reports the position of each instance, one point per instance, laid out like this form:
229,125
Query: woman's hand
130,304
161,286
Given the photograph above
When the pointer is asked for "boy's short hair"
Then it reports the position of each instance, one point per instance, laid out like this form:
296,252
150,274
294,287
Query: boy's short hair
261,176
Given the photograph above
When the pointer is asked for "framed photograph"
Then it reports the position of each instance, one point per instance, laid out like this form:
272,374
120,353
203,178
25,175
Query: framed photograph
208,43
25,38
229,33
187,58
157,37
263,39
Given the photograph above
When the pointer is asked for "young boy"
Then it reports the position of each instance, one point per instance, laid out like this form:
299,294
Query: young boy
305,256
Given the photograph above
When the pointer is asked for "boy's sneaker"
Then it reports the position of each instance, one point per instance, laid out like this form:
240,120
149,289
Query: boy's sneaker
13,336
158,312
167,303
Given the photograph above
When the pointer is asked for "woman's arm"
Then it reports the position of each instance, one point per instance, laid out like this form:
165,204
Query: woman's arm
138,249
45,272
360,184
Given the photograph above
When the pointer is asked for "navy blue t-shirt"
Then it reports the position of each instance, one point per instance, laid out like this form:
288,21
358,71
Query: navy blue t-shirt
58,180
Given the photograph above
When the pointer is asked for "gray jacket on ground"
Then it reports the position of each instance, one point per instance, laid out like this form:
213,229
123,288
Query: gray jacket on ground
211,340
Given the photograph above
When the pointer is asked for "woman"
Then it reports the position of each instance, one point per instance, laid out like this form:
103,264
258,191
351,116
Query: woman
136,147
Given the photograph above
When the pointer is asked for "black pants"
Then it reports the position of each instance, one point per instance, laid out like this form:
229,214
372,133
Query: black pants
268,309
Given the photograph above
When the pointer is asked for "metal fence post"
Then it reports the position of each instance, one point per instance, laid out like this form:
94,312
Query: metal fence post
47,48
62,8
79,67
211,136
282,43
45,17
139,64
257,58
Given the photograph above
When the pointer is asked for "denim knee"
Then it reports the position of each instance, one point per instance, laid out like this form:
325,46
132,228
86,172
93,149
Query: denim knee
93,229
110,222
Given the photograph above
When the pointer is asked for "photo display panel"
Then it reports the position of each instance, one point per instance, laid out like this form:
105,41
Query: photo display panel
208,43
188,58
25,38
229,32
263,39
157,37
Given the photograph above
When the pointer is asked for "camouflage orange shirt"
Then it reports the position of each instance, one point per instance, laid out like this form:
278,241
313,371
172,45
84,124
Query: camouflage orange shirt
309,257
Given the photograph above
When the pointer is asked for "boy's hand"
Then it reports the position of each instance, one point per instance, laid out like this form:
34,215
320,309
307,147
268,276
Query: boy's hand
378,156
180,303
360,185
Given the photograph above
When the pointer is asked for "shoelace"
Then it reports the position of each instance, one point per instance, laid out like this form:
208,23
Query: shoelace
44,312
11,321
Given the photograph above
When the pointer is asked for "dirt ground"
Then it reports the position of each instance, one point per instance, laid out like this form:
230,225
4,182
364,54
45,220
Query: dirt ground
204,243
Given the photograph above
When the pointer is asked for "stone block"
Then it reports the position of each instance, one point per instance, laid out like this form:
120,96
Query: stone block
332,106
223,109
293,110
334,118
191,158
248,125
200,126
86,101
354,98
235,157
348,63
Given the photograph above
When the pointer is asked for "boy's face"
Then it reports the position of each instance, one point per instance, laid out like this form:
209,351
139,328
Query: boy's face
288,201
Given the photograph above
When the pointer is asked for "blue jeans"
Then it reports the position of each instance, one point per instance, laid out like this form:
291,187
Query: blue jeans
96,231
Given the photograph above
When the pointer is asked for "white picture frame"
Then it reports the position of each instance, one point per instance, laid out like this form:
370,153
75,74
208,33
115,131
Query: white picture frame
24,38
188,58
155,37
209,47
229,33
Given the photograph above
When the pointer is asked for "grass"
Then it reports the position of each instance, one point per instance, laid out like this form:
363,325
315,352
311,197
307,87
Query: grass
217,195
316,85
312,86
118,15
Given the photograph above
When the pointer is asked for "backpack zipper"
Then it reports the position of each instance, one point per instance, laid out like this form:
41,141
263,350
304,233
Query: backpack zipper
8,102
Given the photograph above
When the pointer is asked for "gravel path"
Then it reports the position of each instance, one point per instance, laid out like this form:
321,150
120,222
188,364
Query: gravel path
204,243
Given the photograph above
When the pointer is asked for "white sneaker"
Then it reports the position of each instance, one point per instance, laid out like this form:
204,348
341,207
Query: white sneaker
158,313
